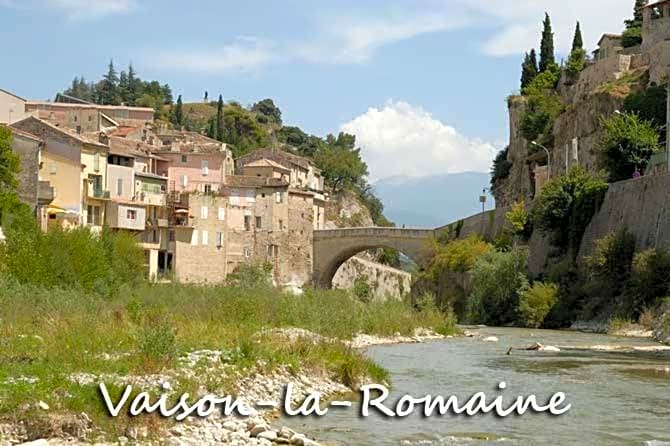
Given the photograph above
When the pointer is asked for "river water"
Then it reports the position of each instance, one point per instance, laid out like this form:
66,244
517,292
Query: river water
617,398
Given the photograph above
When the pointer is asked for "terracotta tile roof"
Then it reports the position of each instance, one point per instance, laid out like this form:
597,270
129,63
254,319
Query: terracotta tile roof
192,148
122,131
610,36
280,156
87,106
128,147
658,3
264,162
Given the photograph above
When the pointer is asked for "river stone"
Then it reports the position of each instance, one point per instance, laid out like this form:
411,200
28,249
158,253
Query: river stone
285,432
259,428
40,442
490,339
268,435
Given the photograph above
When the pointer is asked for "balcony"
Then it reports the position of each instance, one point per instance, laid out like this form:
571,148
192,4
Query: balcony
45,193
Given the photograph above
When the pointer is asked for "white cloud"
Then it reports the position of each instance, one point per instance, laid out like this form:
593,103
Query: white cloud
76,10
242,55
401,139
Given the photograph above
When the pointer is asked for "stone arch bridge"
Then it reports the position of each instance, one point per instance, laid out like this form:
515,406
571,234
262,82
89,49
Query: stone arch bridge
333,247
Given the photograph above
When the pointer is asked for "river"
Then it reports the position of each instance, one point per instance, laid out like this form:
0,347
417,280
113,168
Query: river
617,398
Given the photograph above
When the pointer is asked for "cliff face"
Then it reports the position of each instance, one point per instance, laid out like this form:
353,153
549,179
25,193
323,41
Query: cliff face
599,90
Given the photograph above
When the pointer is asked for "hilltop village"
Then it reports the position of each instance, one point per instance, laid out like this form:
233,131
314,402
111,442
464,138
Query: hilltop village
196,212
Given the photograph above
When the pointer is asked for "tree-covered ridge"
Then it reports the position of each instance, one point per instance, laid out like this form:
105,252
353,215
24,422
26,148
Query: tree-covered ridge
125,88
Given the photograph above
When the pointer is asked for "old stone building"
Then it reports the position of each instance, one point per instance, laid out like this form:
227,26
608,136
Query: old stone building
12,107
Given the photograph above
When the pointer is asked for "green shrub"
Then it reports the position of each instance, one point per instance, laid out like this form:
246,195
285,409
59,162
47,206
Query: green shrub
565,207
576,62
362,289
608,271
544,105
570,279
649,282
251,275
518,219
631,37
156,341
536,302
649,105
627,143
501,167
498,278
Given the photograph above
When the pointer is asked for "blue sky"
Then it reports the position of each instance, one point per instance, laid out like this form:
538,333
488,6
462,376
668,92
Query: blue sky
421,82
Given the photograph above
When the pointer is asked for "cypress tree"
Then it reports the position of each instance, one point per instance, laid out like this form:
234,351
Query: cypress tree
219,119
636,22
211,131
178,117
547,58
528,69
577,41
133,87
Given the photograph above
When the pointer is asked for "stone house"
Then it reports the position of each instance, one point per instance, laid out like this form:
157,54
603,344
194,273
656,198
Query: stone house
12,107
655,24
76,167
608,45
32,190
87,117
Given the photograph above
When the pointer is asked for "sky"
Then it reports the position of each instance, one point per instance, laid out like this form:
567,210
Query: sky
421,83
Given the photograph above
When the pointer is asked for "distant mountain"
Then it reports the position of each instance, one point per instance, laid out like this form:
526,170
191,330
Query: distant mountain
432,201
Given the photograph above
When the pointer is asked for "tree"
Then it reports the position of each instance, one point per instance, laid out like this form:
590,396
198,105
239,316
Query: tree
528,68
134,87
11,207
636,21
565,207
108,87
627,144
577,40
341,163
577,58
547,58
267,111
178,114
124,87
242,131
501,167
206,96
211,129
219,119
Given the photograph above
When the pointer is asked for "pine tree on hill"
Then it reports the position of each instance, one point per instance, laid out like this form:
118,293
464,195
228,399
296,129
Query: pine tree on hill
547,58
528,69
108,89
133,85
578,41
219,119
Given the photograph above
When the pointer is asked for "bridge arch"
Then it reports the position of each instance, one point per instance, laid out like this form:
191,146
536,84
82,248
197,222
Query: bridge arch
333,247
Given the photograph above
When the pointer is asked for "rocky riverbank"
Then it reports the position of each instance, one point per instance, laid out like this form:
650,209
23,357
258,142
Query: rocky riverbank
261,383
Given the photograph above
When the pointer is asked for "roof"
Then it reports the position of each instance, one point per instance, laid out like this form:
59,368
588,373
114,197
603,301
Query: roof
253,181
275,155
151,175
192,148
70,99
609,36
12,94
24,134
264,162
128,147
87,105
122,131
658,3
67,132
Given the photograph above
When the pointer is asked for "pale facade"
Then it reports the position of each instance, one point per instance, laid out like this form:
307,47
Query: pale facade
12,107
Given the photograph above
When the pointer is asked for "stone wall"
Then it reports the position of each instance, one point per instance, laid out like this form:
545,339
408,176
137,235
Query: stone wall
385,282
28,150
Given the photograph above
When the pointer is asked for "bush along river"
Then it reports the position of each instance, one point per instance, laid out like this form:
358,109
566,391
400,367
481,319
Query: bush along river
619,389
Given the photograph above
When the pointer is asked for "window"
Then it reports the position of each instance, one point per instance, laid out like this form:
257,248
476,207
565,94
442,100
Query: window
221,214
90,118
131,214
204,212
194,237
259,222
204,238
52,168
205,167
93,215
219,239
278,197
247,222
74,118
281,224
184,181
207,188
171,236
247,252
273,251
96,162
119,186
184,159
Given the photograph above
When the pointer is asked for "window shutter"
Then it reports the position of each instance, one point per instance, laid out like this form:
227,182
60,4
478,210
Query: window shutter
222,214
